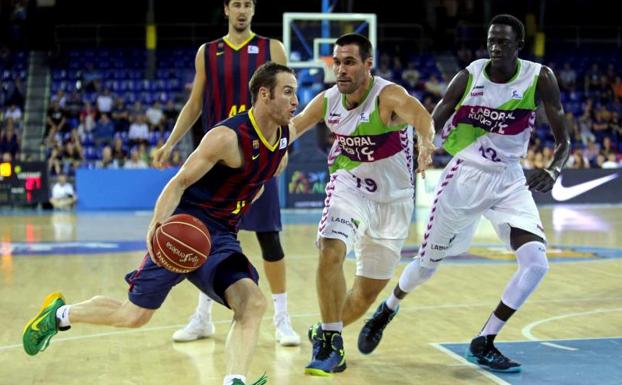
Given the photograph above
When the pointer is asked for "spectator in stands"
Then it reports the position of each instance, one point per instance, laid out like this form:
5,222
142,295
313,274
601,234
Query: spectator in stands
14,113
104,131
567,78
135,161
15,92
143,154
73,106
88,117
481,52
591,80
136,111
464,55
607,147
600,126
60,98
119,154
573,126
527,161
547,155
611,162
176,159
139,131
384,71
434,87
63,194
55,159
72,156
91,78
107,161
104,102
170,113
603,92
155,117
6,157
577,160
585,127
120,116
538,160
591,152
410,77
9,141
55,120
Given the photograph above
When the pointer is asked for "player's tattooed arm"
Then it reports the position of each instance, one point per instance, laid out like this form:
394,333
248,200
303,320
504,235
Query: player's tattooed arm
447,105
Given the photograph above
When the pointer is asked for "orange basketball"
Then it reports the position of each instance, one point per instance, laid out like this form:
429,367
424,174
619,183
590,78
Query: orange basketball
181,244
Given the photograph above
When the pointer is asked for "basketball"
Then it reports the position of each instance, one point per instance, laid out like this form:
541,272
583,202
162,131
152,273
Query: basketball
181,244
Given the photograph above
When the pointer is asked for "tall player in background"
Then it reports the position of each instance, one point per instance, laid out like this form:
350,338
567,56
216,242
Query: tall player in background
216,184
369,198
220,90
487,116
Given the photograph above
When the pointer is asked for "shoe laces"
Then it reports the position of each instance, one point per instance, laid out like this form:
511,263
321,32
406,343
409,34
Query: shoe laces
380,318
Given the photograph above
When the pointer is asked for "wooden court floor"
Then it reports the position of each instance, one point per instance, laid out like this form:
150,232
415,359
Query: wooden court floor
581,298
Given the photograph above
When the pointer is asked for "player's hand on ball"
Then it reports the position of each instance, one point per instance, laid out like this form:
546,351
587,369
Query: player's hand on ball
424,160
149,241
161,155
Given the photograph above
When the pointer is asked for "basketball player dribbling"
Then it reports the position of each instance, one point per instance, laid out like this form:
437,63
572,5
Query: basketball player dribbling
216,184
220,90
487,116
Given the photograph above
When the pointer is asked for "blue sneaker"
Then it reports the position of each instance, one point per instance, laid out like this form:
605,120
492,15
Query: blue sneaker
330,357
483,352
371,333
316,337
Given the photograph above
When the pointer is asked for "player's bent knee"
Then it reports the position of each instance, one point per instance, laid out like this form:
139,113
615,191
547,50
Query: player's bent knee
137,317
270,243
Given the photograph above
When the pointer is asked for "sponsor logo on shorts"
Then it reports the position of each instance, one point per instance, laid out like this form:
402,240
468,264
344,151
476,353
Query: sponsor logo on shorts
340,233
349,223
434,246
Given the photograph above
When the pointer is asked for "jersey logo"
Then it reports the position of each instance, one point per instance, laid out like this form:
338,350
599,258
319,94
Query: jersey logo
255,156
283,143
561,193
253,49
516,95
219,53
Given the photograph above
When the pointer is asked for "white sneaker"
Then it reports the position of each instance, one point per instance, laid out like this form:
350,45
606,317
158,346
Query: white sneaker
285,335
196,329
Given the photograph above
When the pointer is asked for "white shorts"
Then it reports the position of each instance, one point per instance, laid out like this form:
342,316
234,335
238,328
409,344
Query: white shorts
375,231
466,192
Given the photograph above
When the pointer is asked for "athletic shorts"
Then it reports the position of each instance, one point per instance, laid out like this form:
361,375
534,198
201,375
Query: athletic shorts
264,215
226,264
375,231
465,192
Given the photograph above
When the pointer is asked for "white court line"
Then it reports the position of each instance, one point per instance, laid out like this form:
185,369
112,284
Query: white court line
404,309
486,373
526,331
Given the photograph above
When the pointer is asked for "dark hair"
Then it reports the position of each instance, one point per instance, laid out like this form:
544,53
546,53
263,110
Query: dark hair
226,2
361,41
513,22
265,76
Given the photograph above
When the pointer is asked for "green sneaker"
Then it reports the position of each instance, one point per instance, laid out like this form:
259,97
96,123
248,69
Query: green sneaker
261,381
40,330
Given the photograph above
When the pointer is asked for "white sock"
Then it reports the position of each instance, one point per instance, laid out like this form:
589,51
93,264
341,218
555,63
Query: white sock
493,326
333,326
229,379
393,302
532,267
62,314
280,303
204,307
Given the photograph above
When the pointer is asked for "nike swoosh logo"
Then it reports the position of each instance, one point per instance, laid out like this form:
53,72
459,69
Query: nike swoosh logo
255,156
219,53
35,325
561,193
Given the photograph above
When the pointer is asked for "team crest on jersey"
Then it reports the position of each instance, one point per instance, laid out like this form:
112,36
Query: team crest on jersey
255,144
516,95
283,143
334,118
253,49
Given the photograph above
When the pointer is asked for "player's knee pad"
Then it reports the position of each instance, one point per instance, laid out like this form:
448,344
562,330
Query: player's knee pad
533,262
270,244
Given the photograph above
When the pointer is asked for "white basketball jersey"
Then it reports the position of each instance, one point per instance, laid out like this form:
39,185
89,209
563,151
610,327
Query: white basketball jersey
368,155
493,121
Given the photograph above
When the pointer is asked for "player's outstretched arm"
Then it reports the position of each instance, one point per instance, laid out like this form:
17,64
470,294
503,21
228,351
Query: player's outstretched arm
219,144
542,180
411,111
188,114
308,118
